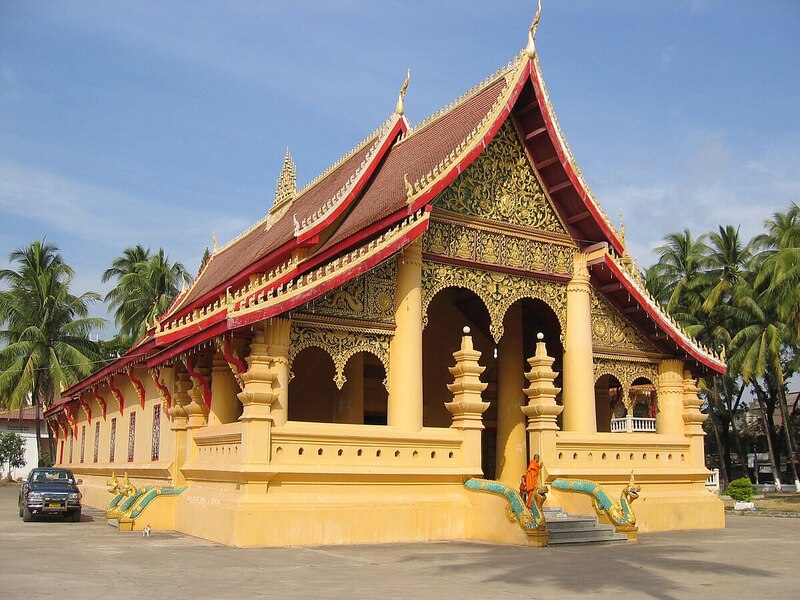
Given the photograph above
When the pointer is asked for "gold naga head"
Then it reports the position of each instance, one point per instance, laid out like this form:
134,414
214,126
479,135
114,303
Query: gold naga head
530,48
631,491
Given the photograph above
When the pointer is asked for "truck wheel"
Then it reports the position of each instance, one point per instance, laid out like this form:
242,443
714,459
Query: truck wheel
76,515
27,517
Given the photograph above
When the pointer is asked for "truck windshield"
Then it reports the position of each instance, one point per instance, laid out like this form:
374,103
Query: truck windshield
52,476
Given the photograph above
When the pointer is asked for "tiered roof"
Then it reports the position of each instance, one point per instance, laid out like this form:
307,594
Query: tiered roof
373,202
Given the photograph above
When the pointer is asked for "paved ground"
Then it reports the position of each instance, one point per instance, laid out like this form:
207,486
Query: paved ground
752,558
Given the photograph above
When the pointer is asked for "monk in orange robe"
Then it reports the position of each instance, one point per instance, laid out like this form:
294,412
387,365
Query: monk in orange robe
531,479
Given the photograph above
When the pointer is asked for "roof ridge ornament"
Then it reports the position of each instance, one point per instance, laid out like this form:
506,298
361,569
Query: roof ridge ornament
286,188
400,108
530,49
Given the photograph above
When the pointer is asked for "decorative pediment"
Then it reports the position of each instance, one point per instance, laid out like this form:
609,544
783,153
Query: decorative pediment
502,186
612,330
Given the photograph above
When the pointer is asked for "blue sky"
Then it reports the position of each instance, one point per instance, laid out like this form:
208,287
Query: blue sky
160,123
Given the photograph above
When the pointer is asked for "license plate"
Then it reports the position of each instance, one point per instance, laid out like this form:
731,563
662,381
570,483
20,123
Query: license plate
54,505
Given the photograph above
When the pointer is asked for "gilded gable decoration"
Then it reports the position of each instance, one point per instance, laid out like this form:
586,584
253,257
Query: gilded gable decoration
340,343
611,330
497,290
286,188
369,297
481,244
501,185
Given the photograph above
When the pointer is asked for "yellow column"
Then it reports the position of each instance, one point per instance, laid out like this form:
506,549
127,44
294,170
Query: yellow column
467,406
180,399
405,350
223,392
542,410
693,420
257,398
579,404
350,405
277,338
669,419
511,452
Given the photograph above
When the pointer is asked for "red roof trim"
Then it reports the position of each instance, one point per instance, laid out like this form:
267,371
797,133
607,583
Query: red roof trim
111,369
658,318
563,157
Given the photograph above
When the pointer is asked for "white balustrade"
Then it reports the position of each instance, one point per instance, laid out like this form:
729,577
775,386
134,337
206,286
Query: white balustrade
712,482
632,424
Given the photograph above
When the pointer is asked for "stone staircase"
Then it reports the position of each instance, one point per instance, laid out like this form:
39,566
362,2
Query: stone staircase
578,529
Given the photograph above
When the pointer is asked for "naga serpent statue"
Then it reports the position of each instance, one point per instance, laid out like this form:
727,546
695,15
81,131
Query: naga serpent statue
619,513
530,519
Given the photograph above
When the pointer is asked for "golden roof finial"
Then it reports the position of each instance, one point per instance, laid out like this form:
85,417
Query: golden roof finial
400,109
214,242
622,227
286,189
530,49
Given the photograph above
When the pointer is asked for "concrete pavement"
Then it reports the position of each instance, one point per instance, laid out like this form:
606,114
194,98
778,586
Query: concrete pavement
753,557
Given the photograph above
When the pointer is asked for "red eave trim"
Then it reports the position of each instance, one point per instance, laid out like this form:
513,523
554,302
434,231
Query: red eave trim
565,163
198,336
659,319
388,141
134,354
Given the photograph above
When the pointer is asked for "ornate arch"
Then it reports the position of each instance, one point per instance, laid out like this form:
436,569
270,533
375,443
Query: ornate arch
498,291
626,372
340,344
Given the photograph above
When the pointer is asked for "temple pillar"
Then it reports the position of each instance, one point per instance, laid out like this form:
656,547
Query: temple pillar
223,392
669,418
578,375
511,452
541,409
405,350
603,404
257,398
467,406
693,420
350,405
277,339
180,420
197,410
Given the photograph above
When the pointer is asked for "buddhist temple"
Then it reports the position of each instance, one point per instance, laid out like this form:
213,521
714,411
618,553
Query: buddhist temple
380,357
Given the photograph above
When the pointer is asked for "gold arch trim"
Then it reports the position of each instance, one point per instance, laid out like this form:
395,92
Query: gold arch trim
498,291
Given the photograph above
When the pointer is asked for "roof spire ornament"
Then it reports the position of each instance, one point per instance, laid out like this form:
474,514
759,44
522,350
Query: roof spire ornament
214,241
530,49
400,109
286,189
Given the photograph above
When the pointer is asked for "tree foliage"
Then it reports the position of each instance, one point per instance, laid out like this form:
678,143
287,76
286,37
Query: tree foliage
12,451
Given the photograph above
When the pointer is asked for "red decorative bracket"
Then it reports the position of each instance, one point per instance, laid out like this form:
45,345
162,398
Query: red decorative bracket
137,384
70,415
236,364
117,394
200,380
163,389
53,425
87,408
101,401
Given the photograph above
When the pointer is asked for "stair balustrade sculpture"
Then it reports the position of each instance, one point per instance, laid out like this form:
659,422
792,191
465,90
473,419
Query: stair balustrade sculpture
619,514
129,502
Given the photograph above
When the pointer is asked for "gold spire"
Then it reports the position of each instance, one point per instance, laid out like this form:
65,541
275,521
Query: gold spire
400,109
286,189
622,227
530,49
214,241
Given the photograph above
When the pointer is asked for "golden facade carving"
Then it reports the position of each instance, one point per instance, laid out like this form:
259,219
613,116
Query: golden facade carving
498,291
626,372
368,297
501,185
611,330
340,342
480,244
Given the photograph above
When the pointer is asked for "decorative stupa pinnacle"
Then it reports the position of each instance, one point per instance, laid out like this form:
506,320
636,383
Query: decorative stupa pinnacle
530,48
400,109
286,189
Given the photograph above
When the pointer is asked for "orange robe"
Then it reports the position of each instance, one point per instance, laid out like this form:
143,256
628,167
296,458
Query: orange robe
531,479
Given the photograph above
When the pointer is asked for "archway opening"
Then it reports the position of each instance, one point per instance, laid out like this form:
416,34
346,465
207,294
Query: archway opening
643,398
363,398
312,392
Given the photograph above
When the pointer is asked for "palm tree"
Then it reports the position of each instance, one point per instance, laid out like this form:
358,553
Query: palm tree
679,266
45,329
146,286
726,265
758,349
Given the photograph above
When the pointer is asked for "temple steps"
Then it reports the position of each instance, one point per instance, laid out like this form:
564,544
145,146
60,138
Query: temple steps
568,529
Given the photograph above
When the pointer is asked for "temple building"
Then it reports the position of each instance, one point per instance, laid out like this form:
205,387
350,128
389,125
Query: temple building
443,303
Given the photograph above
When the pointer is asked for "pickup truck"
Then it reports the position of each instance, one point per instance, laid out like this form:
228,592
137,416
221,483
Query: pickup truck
50,492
